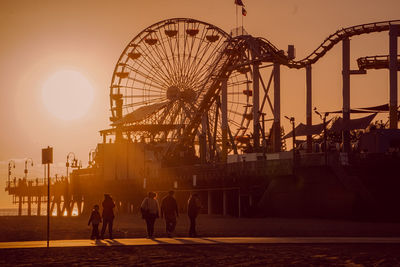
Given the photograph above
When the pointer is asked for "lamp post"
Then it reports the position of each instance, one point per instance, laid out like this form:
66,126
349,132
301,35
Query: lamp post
11,164
25,178
323,118
67,163
26,166
292,121
91,156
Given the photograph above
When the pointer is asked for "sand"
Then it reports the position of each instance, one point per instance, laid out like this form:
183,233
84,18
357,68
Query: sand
208,255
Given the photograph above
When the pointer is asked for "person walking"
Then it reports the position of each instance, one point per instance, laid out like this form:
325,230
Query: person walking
150,212
108,215
169,211
95,220
194,207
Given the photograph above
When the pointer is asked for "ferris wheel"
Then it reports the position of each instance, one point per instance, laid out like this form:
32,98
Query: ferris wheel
157,83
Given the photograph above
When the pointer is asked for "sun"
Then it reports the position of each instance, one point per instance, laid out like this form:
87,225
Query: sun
67,94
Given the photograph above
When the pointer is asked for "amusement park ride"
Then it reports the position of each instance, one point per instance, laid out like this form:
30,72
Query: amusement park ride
190,110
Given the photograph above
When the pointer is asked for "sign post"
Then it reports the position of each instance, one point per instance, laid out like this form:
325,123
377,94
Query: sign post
47,158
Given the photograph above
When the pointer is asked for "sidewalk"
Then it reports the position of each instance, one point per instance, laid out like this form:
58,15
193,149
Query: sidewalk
201,241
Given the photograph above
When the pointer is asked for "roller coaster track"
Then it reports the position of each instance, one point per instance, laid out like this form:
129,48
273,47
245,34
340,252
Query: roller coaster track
269,50
376,62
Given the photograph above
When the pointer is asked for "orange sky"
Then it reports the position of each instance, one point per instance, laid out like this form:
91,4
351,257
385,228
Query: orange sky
39,38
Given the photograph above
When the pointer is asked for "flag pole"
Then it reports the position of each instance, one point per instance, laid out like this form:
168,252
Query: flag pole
236,19
242,23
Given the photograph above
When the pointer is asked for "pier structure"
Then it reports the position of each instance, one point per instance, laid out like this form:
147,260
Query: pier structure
31,195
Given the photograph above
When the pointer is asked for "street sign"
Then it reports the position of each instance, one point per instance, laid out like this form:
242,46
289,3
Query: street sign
47,155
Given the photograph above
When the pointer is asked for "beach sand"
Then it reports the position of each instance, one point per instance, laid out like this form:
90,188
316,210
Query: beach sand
34,228
25,228
209,255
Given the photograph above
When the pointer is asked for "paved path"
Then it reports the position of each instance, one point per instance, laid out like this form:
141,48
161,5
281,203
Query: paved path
200,241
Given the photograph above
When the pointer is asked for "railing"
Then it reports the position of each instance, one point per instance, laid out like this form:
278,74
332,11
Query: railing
37,182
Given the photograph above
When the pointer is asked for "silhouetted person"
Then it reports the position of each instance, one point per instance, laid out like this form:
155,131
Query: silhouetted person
108,215
95,220
194,207
150,212
169,210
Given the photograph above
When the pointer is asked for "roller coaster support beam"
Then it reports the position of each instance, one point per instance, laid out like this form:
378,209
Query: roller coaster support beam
224,119
309,105
346,72
277,109
394,32
256,105
346,92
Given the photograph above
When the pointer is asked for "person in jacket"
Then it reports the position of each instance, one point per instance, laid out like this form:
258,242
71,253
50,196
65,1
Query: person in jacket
150,212
169,211
95,220
108,215
194,207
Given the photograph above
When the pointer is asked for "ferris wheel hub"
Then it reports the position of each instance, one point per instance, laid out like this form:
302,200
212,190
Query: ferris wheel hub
184,94
173,93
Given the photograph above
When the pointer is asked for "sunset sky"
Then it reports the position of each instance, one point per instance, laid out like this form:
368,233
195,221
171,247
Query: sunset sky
42,38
